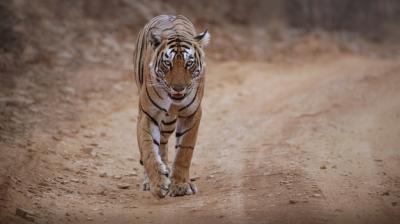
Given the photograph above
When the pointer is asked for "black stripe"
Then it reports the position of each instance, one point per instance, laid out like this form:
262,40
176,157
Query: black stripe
183,146
174,46
186,42
152,101
179,134
193,67
163,143
158,60
167,132
197,57
140,61
191,102
169,122
141,74
191,115
186,47
148,115
155,142
178,41
185,51
181,45
156,65
172,27
159,53
164,68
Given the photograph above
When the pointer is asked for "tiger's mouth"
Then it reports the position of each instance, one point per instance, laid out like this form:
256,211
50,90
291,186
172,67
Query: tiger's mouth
177,96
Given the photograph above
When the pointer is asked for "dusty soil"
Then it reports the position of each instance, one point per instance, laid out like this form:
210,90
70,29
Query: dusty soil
315,140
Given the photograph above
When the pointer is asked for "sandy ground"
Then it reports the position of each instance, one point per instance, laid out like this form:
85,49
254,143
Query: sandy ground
311,141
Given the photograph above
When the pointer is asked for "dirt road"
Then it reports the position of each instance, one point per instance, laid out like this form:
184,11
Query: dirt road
312,141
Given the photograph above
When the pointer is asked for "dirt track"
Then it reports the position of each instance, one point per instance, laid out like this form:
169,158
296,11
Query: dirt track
314,141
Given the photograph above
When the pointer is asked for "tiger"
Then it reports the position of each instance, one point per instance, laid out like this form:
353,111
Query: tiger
169,71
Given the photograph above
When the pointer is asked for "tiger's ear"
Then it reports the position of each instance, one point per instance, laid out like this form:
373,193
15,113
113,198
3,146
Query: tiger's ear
155,39
203,38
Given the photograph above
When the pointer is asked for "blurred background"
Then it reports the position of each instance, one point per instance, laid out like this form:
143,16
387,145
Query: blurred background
66,65
255,30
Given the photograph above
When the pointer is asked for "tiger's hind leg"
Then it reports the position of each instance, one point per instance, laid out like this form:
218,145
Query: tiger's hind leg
186,136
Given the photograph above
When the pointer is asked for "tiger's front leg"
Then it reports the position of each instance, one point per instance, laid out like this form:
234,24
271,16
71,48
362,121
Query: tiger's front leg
186,136
149,142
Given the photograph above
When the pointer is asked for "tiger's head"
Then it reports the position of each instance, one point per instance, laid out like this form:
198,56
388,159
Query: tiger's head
177,62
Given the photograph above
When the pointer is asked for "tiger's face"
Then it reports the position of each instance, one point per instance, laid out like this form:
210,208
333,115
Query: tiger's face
178,64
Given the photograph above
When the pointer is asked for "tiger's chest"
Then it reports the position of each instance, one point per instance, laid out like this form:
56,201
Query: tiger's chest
160,104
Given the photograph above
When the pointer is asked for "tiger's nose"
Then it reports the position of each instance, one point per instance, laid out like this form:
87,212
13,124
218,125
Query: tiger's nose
178,88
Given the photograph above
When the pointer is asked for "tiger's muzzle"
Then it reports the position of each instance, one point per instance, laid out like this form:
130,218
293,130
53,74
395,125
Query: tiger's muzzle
178,92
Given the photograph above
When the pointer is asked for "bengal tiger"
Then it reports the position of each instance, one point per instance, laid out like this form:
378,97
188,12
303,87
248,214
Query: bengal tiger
169,69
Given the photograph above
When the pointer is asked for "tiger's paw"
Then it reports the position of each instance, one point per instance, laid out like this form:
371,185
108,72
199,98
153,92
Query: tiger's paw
182,189
146,181
158,181
160,186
